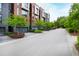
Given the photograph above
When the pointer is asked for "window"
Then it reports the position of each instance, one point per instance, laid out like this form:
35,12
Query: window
36,10
25,5
24,13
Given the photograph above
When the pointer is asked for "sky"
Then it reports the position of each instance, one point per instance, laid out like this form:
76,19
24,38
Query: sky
56,9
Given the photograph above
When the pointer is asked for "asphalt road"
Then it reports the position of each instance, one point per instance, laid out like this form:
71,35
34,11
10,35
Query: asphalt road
50,43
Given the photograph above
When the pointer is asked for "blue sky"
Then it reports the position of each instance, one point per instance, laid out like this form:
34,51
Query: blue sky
56,9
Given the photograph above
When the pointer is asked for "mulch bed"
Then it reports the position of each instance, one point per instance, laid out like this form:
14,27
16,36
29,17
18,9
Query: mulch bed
17,35
74,34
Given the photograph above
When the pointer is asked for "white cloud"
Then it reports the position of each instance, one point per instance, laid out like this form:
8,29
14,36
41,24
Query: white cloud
55,12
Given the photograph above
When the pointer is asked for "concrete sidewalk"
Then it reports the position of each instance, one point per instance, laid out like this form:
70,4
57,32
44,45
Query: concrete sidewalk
50,43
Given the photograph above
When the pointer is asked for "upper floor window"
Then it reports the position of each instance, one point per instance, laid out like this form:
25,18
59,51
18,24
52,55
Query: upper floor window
36,10
24,13
25,5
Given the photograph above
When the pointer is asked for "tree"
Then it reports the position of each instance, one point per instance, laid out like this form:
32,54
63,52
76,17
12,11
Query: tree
74,17
74,11
44,25
16,21
39,23
59,22
48,25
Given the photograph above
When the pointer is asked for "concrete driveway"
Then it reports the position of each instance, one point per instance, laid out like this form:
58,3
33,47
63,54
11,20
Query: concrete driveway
49,43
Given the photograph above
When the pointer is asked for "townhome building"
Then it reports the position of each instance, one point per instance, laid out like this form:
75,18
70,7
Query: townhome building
31,11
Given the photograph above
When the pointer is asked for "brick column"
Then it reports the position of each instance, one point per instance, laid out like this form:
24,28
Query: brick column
15,8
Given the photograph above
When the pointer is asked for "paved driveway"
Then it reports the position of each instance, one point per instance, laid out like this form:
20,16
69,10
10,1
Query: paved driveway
50,43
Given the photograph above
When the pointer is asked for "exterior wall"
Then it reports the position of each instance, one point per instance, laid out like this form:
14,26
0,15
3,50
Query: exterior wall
17,8
5,11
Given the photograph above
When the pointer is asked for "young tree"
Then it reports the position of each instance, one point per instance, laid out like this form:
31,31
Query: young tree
74,17
39,23
16,21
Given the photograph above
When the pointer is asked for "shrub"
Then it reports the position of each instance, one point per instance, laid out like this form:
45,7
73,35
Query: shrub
77,43
42,25
14,20
70,30
37,31
39,23
48,25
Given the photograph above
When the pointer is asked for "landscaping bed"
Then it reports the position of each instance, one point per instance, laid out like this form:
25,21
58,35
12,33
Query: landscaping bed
74,34
15,35
37,31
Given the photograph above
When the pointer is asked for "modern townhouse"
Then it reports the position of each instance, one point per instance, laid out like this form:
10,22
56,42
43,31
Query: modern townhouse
31,11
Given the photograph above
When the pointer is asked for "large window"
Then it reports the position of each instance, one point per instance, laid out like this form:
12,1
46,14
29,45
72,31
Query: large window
25,7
